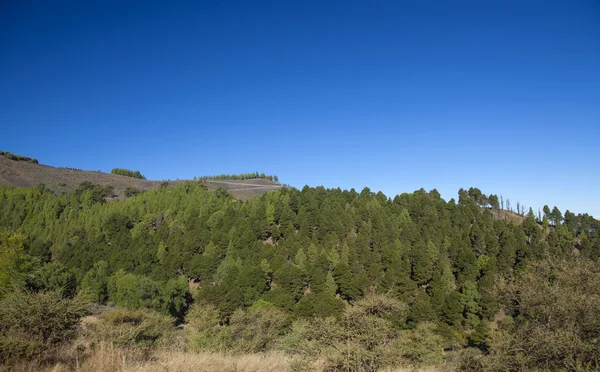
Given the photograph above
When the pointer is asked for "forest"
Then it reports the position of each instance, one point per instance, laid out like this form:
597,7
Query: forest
348,280
127,173
242,176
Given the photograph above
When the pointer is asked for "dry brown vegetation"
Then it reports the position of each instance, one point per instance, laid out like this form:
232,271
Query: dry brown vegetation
185,361
108,358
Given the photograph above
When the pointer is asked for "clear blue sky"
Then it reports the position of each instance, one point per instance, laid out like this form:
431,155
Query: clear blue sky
501,95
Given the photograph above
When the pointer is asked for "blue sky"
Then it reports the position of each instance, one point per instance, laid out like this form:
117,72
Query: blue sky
501,95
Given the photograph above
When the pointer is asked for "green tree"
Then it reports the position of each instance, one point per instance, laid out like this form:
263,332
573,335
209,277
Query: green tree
94,284
176,297
14,264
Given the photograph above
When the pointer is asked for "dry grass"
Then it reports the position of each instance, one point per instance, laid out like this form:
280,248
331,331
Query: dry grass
109,358
442,368
115,359
187,361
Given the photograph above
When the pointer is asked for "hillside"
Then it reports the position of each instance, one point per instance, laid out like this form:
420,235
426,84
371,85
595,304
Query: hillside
328,279
27,174
353,281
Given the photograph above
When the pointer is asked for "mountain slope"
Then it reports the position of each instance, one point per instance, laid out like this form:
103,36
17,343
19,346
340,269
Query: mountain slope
25,174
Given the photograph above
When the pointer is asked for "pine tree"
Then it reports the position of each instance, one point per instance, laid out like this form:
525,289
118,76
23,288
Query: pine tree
469,298
452,312
421,309
330,287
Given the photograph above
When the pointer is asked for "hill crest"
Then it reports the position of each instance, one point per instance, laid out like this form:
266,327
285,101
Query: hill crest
29,174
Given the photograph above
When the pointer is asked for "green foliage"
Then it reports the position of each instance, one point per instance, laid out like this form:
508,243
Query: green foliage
133,291
94,285
175,297
421,346
14,264
32,325
242,176
53,277
254,329
16,157
131,191
248,331
314,254
366,337
127,173
89,193
205,328
554,322
137,291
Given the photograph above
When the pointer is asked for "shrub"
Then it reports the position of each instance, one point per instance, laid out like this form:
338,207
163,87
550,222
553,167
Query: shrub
254,329
296,341
133,291
93,193
139,291
35,324
420,346
131,191
361,340
54,276
204,322
130,328
555,319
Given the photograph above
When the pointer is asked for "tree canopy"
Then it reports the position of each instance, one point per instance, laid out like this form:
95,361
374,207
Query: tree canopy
308,254
127,173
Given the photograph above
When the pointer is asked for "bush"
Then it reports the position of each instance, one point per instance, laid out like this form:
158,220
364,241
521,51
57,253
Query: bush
54,276
252,330
555,320
295,341
130,328
131,191
33,325
420,346
255,329
93,193
204,323
133,291
360,340
139,291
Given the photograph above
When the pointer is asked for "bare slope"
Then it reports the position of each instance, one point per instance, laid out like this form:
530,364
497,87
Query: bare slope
25,174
